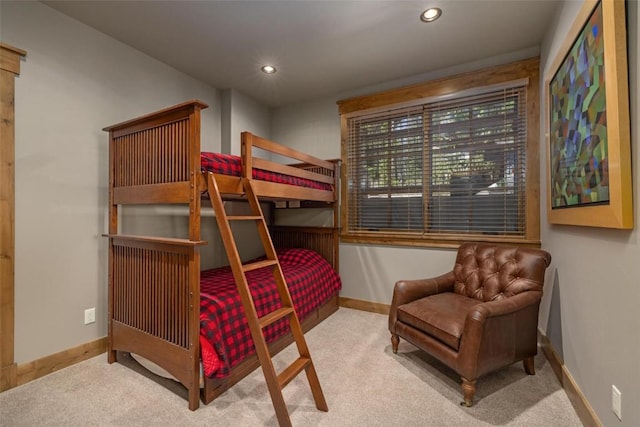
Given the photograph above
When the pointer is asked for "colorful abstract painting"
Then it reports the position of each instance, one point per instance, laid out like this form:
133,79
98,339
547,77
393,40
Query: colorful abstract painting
578,122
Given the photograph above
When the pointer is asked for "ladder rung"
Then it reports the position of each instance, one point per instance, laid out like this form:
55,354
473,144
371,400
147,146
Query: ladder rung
259,264
274,316
244,217
292,371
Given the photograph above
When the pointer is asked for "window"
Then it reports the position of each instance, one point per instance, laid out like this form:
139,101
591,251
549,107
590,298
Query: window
444,168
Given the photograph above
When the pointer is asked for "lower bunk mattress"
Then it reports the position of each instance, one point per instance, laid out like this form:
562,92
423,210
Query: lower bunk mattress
225,338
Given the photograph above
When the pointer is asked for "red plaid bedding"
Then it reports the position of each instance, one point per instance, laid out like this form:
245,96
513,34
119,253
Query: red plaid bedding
225,339
227,164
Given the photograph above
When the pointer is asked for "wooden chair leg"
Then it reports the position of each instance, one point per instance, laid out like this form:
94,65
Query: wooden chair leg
395,340
529,366
468,391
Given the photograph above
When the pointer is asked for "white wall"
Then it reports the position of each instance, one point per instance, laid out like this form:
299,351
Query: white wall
242,113
592,312
312,127
74,82
239,113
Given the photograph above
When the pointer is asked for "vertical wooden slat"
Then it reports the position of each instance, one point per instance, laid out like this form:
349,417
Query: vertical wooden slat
180,328
155,300
157,287
180,324
134,158
146,156
121,301
150,291
163,291
131,285
176,321
127,169
172,143
170,317
122,314
177,315
147,321
157,160
175,139
159,298
121,266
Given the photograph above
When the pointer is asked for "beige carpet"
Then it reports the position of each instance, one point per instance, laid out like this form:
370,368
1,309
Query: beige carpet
364,383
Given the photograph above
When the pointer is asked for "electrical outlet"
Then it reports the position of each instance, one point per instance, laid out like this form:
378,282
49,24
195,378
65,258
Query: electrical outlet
616,401
89,315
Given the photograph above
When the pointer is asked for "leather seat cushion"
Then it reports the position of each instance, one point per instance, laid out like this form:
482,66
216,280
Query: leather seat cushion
442,316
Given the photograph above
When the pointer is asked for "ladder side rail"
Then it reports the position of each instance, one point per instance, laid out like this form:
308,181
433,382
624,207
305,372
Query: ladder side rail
294,322
249,306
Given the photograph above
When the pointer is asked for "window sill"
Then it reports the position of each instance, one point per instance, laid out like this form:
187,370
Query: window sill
433,241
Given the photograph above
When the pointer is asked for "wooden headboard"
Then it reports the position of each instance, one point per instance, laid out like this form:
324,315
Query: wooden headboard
323,240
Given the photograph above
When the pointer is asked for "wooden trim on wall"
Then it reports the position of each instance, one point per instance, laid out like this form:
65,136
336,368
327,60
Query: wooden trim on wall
357,304
579,402
446,85
528,71
10,58
39,368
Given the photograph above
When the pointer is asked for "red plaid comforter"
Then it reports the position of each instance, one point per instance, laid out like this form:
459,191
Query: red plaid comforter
225,339
227,164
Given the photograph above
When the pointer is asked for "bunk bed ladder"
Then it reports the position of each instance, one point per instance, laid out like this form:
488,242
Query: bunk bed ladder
275,382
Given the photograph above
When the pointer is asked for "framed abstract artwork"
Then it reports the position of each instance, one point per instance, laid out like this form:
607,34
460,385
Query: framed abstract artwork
588,134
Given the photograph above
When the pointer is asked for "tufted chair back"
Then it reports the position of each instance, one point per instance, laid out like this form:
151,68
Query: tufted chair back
487,272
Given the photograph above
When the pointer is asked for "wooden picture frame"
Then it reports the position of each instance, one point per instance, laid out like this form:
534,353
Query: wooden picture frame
587,115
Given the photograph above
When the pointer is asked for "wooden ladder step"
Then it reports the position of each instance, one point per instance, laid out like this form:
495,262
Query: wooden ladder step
274,316
244,217
259,264
293,370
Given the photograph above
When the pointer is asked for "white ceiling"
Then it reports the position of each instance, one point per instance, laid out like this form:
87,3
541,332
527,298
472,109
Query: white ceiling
319,47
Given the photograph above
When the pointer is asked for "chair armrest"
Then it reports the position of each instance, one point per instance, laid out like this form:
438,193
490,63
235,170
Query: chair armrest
405,291
489,309
504,324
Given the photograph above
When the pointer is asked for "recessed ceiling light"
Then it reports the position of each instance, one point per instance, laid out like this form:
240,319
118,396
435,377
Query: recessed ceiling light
431,14
268,69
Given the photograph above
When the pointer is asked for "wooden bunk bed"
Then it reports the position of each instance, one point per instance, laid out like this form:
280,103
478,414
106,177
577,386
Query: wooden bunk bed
154,282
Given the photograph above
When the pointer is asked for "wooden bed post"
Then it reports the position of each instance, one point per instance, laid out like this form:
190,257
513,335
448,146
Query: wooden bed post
113,229
194,256
9,68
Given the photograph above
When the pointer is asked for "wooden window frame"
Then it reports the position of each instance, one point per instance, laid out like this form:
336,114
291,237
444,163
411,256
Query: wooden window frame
502,74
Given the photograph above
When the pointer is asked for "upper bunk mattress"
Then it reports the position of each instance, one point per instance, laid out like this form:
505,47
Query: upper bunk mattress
225,338
227,164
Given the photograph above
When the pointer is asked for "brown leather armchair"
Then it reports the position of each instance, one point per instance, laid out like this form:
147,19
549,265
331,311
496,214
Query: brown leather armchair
481,316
